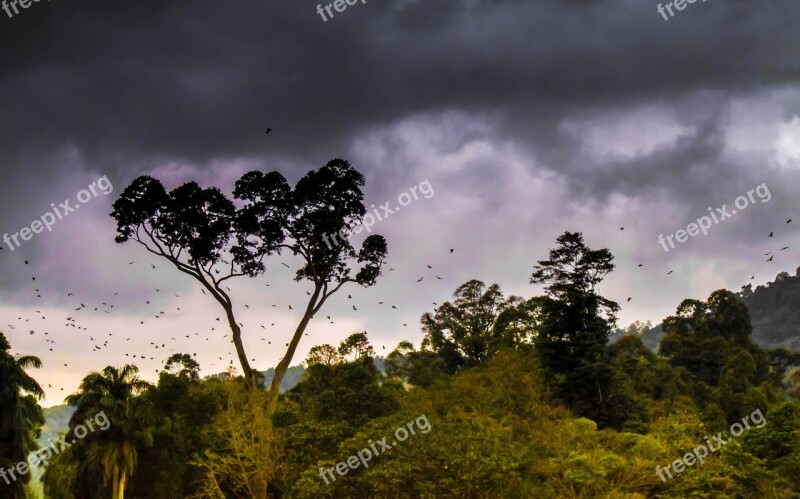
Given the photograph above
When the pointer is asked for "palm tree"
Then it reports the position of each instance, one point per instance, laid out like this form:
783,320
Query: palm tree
106,458
20,414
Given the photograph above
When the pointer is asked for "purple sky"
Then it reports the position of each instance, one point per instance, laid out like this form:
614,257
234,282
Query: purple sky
528,118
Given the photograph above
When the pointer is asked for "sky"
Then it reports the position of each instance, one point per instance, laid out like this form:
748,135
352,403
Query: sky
527,118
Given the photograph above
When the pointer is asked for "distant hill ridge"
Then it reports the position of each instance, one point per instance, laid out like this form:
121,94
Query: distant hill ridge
774,310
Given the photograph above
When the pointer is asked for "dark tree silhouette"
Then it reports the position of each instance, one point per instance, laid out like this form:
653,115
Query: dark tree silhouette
195,229
575,322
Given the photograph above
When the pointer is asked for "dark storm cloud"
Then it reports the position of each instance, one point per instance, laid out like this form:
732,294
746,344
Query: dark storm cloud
204,79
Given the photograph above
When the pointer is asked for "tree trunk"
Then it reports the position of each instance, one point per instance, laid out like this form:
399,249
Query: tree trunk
115,486
122,480
236,331
261,485
283,365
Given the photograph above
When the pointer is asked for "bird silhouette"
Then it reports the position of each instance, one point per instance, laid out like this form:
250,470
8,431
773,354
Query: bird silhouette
770,234
770,258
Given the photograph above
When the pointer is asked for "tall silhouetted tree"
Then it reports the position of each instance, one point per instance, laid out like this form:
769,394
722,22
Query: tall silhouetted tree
575,322
195,229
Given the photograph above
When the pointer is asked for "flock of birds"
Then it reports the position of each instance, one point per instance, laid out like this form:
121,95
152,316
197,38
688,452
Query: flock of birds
159,351
98,342
770,254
